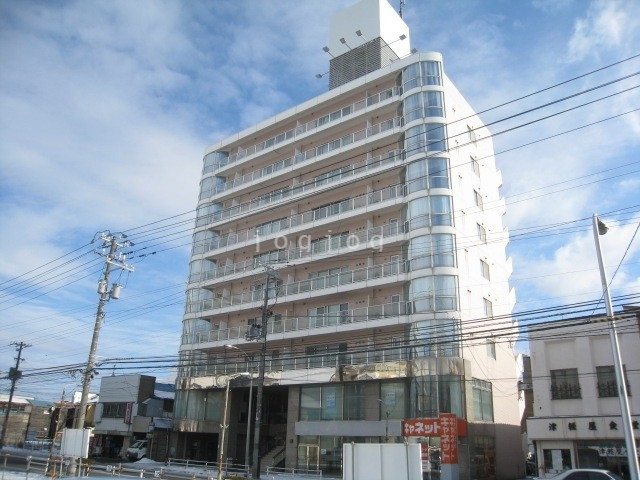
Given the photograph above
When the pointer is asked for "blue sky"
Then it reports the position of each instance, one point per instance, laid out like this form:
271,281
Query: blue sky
107,106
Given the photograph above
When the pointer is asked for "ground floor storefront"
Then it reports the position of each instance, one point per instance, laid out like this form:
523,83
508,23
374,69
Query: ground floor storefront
562,443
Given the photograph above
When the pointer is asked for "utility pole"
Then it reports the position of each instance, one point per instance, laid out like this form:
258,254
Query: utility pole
14,375
255,471
111,261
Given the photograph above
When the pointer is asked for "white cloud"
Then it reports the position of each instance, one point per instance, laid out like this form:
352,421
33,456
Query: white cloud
608,24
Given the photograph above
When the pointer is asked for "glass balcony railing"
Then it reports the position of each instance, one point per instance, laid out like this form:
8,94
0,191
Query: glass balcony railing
374,237
313,284
392,158
303,156
307,127
360,316
353,204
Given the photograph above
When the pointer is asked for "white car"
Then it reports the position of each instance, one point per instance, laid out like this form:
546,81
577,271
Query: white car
137,450
586,474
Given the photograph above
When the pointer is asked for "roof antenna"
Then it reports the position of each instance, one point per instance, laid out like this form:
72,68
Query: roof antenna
401,5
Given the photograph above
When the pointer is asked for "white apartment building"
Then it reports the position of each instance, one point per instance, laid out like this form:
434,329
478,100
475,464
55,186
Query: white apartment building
577,421
372,216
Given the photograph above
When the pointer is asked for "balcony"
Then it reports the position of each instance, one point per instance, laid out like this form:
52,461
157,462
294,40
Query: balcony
343,279
307,127
373,238
357,318
309,218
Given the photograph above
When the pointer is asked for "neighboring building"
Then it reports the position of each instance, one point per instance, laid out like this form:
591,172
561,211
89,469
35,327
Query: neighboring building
29,419
577,422
371,216
133,407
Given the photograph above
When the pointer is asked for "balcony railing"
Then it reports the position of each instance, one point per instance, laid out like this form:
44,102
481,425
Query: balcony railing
360,315
349,205
395,157
313,284
322,360
304,156
373,237
307,127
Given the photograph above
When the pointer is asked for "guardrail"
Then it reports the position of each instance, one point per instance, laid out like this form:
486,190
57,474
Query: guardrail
274,473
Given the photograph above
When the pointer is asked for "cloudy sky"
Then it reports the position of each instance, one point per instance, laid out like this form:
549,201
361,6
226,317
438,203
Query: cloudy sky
106,108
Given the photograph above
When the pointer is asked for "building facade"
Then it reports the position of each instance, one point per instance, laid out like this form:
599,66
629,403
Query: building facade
29,420
577,421
133,407
368,220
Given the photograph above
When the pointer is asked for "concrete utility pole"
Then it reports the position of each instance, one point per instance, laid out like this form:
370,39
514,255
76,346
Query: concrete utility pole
111,241
14,375
599,228
255,471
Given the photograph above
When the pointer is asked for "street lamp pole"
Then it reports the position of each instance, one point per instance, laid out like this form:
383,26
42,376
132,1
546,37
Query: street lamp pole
599,228
224,429
247,460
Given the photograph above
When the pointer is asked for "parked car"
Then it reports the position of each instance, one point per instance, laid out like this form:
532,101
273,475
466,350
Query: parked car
137,450
587,474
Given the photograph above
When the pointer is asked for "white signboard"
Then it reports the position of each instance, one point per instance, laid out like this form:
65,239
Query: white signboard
75,442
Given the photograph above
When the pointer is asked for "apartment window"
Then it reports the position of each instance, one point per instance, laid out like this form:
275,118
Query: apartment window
330,355
435,250
328,315
428,137
434,293
434,210
482,233
114,410
484,270
488,307
329,242
329,278
472,133
266,258
477,199
565,384
491,348
482,400
422,73
475,166
272,227
423,104
428,173
608,383
327,210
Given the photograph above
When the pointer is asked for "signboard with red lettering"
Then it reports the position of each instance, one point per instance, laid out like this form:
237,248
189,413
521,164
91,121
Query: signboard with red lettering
429,427
448,438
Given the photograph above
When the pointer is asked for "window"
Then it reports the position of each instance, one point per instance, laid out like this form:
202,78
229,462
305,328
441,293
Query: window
428,137
482,400
428,173
272,227
354,401
329,242
422,73
328,315
488,307
482,233
266,258
475,166
423,104
327,210
565,384
477,199
491,348
607,382
114,410
329,278
434,210
436,250
472,133
330,355
484,270
435,293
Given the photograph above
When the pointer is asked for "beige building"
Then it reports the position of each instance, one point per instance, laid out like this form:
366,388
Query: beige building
577,421
374,215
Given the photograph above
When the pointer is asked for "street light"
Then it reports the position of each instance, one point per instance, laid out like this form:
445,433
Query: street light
247,460
599,228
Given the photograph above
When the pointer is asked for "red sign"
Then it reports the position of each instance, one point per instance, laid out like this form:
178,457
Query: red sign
128,412
429,427
421,427
448,438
